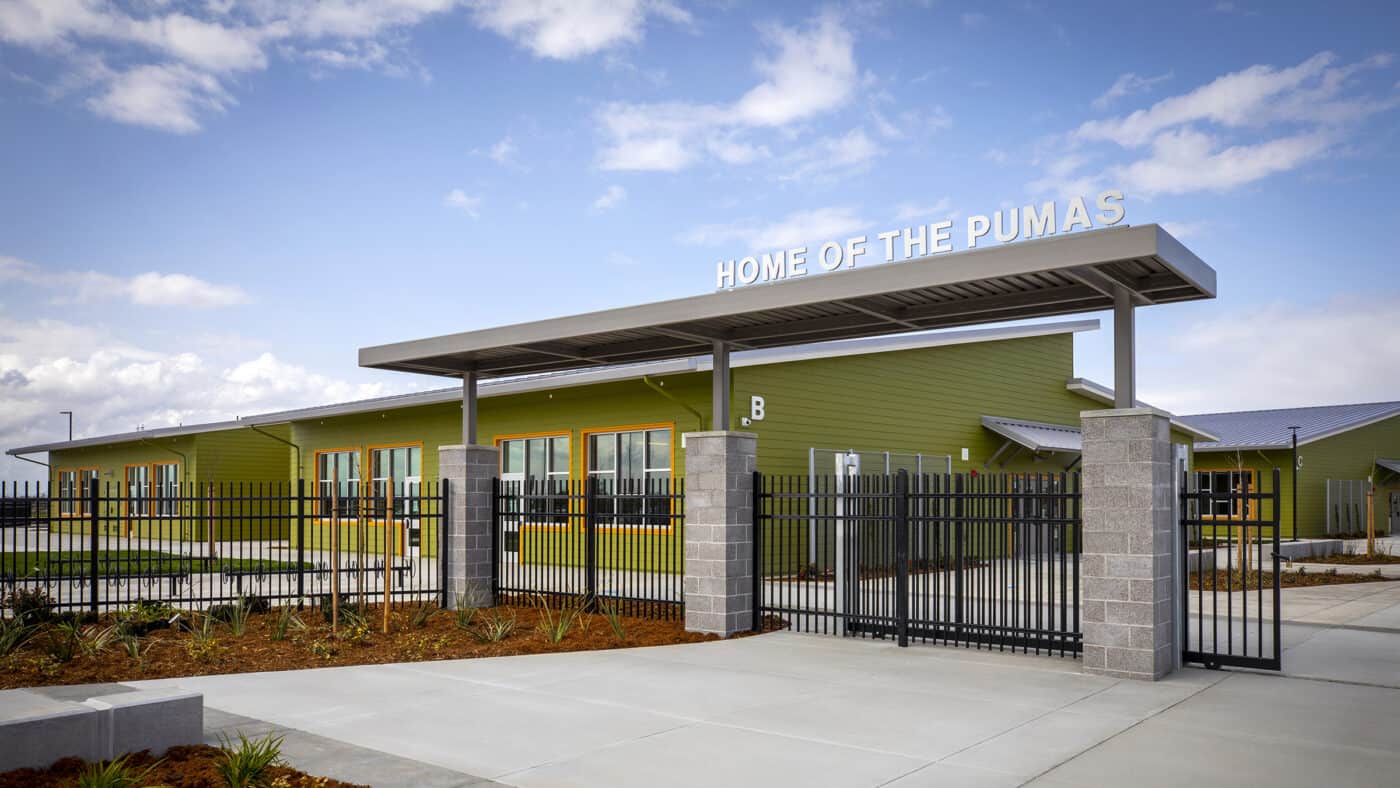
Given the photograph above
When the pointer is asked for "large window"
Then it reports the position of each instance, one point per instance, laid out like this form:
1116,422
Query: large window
540,466
138,490
167,488
338,472
74,488
634,466
402,464
1224,482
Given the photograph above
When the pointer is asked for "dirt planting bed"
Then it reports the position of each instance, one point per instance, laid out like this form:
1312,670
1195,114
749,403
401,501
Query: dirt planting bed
1236,581
181,767
65,653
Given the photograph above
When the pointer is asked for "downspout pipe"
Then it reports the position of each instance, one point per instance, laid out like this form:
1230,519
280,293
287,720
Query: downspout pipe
654,386
301,472
185,467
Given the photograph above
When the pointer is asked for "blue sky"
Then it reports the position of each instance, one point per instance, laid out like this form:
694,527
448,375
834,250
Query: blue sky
206,208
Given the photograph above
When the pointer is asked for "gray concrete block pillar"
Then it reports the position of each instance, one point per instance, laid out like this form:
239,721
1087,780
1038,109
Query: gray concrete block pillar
469,471
1126,563
719,515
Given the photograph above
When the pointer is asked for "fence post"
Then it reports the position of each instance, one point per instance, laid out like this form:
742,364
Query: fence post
301,541
958,509
442,545
901,555
758,552
93,585
590,542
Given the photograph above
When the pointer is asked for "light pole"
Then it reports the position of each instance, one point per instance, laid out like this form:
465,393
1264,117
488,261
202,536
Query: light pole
1294,430
69,414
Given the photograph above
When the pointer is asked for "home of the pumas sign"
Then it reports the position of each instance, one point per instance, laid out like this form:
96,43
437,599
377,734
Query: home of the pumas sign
1025,223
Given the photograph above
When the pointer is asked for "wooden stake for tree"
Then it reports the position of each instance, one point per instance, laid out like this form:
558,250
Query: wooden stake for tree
1370,519
388,543
335,550
366,493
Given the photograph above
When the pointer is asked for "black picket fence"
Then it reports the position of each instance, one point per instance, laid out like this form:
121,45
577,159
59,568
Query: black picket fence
596,540
192,545
974,560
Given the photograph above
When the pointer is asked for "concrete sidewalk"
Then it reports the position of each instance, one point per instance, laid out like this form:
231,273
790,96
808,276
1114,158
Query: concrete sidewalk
786,709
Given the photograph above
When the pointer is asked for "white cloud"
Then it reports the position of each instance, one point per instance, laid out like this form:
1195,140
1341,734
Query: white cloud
1237,129
812,70
1331,356
1186,160
567,29
503,152
169,97
795,229
850,152
147,289
1126,85
996,156
610,198
177,64
48,365
461,201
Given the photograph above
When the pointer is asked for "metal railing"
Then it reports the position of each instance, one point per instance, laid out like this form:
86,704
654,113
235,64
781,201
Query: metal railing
192,545
973,560
594,540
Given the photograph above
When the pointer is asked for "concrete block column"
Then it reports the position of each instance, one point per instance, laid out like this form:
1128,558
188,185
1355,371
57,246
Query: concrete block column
469,471
1126,563
719,515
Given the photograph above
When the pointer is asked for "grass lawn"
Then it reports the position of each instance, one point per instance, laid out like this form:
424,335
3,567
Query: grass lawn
125,562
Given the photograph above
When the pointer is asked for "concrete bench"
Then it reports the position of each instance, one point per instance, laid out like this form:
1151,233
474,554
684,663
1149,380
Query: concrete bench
36,730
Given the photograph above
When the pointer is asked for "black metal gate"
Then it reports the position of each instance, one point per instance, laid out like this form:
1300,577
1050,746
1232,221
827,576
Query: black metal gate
591,541
1231,582
973,560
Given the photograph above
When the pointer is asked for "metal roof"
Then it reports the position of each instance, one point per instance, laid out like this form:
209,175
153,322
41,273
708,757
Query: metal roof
1036,435
1062,275
1268,429
1101,393
1390,465
554,380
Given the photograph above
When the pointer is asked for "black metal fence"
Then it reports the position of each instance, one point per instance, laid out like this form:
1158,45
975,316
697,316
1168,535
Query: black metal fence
596,540
973,560
192,545
1232,582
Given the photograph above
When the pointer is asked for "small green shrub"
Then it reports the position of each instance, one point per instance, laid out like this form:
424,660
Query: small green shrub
203,644
32,605
462,614
114,774
143,617
237,618
256,604
612,611
246,765
94,640
495,626
422,614
15,632
61,641
287,620
554,627
346,607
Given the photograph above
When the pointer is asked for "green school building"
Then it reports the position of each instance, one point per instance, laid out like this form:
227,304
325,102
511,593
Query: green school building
1348,462
983,400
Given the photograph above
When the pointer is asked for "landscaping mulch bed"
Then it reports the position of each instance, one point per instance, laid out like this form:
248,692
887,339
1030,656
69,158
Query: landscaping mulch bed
171,652
180,767
1236,581
1354,559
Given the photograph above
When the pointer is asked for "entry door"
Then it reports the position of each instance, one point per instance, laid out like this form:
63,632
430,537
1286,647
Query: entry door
847,479
1394,513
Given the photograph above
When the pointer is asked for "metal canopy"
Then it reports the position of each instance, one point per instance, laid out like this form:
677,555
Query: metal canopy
1068,274
1037,436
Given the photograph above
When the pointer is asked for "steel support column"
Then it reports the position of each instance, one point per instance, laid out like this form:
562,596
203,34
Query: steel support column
1124,351
469,381
719,394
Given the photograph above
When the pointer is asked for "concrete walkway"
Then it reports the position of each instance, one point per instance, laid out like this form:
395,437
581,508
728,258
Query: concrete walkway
788,709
